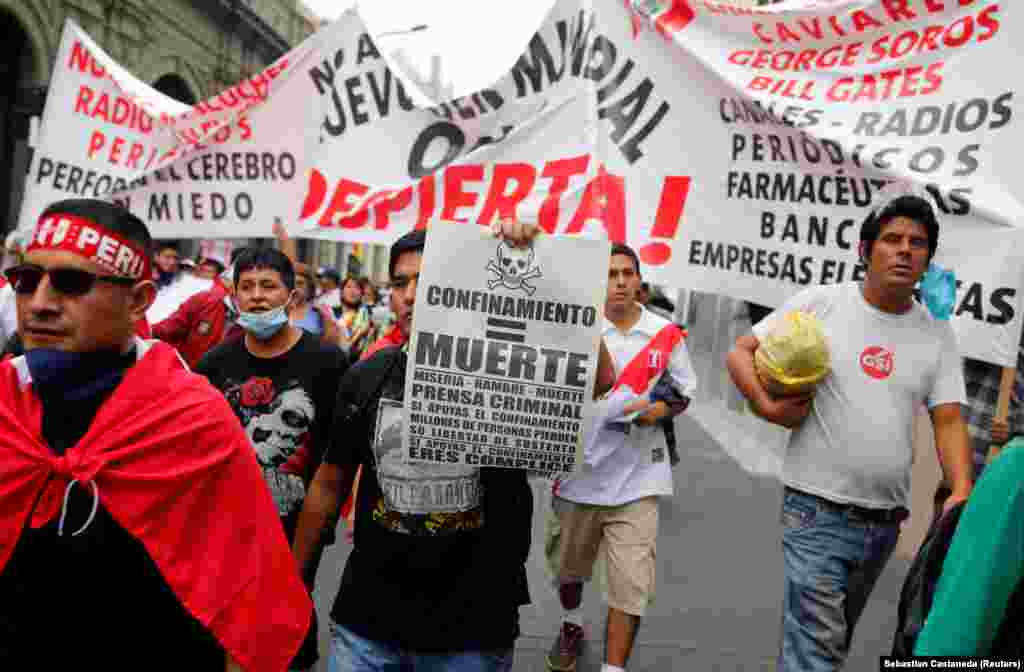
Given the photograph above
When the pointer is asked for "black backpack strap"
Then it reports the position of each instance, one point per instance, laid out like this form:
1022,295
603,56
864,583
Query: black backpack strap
918,590
1009,643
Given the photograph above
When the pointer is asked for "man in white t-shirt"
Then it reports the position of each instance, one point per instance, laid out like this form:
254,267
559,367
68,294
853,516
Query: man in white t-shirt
847,469
615,498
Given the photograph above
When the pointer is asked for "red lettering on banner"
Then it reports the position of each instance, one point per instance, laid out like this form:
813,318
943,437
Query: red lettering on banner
315,195
340,205
386,202
454,196
134,154
989,22
785,88
604,200
898,10
500,202
731,9
82,59
862,21
115,151
666,222
85,94
98,143
980,27
903,83
559,171
124,112
426,190
245,94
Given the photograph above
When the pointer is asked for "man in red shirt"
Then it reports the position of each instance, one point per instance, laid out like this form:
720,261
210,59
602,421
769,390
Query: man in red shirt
203,322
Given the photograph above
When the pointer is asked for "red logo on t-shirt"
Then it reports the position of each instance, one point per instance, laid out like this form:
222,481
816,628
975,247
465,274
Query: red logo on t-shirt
877,362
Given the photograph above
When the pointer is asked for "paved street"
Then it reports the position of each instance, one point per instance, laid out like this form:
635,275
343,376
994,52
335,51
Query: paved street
719,568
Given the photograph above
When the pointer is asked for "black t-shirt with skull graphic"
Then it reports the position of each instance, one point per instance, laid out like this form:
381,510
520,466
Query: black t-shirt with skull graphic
285,404
440,550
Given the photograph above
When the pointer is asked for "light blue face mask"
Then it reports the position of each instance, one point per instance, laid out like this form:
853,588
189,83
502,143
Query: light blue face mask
264,326
938,291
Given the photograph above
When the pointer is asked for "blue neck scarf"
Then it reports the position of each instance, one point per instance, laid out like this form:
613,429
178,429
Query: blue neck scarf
164,278
75,376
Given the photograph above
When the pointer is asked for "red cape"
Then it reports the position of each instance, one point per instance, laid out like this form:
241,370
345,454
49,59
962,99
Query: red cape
142,328
173,468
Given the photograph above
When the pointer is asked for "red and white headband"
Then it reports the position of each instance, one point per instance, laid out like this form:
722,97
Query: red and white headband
88,239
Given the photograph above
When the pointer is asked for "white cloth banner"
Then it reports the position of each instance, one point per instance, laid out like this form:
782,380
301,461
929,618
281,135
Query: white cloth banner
737,150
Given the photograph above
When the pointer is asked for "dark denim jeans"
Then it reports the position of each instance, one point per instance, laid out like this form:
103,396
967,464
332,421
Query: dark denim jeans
352,653
832,561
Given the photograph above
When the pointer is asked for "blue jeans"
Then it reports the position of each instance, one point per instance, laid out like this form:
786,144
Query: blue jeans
832,561
352,653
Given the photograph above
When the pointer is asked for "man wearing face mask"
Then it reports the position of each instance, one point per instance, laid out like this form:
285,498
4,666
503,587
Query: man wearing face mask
136,530
280,380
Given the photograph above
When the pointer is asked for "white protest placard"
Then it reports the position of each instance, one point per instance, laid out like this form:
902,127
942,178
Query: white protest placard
503,354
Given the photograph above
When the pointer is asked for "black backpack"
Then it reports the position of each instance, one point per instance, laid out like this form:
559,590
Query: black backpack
922,579
919,591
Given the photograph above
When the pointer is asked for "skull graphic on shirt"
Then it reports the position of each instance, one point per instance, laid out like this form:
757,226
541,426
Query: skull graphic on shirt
278,434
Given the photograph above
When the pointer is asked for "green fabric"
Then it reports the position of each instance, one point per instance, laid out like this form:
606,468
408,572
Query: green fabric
984,565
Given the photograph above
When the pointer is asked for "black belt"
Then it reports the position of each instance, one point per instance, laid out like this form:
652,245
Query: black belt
880,516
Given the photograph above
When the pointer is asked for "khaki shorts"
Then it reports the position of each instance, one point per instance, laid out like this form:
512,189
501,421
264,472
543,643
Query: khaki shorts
628,533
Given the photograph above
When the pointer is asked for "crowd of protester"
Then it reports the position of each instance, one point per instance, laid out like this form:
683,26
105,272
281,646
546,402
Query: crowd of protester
138,530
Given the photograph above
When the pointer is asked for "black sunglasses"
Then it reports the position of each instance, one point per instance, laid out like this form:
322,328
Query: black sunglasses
71,281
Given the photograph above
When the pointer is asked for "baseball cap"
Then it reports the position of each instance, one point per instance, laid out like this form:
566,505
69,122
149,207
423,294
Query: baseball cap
327,272
218,257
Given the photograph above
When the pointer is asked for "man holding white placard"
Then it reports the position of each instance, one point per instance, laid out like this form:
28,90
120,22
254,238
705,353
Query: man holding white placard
433,582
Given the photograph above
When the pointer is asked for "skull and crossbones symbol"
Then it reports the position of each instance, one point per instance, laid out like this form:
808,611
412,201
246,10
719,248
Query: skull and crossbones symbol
513,268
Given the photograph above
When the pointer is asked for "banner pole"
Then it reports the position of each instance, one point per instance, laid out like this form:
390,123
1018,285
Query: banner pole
1002,406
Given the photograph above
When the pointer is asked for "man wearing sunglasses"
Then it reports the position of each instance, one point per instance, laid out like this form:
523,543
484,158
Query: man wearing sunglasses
135,521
